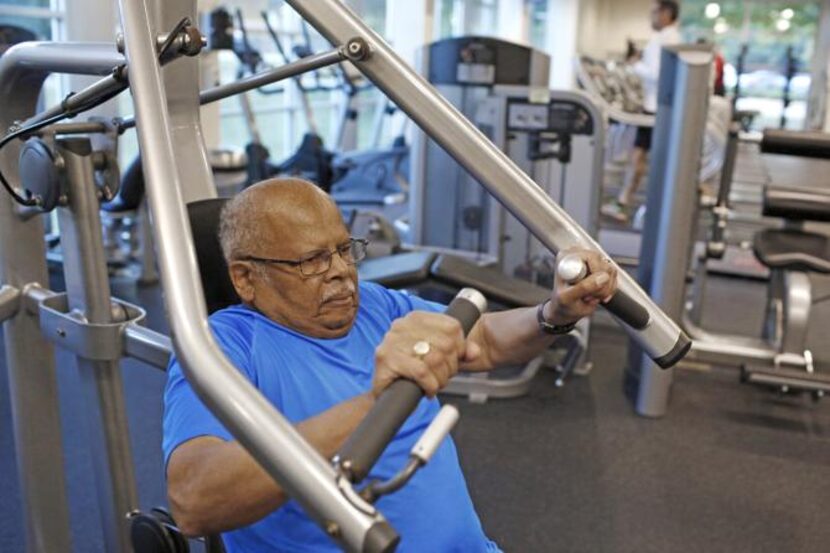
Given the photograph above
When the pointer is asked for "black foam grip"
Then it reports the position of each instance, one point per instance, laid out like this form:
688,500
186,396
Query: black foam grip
628,310
363,448
381,538
796,143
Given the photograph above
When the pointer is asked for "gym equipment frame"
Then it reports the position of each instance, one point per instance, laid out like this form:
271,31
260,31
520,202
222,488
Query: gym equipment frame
176,171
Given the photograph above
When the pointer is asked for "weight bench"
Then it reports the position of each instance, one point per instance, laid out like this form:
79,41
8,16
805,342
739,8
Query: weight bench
791,254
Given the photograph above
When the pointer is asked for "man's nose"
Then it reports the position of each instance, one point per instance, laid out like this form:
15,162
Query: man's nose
338,265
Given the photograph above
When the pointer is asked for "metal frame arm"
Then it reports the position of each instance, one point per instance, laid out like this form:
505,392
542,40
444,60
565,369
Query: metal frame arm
260,79
662,338
259,427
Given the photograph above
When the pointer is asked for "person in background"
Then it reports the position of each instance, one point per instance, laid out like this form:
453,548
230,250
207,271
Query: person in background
664,14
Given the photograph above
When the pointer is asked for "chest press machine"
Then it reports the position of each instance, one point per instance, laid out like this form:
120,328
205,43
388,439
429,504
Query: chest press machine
99,330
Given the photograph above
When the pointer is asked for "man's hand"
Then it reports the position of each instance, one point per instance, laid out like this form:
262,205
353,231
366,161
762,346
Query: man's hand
395,357
571,302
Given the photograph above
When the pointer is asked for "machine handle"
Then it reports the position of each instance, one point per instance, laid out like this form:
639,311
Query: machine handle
363,448
572,268
438,429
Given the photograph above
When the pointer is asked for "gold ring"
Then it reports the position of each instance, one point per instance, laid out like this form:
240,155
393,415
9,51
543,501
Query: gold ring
421,349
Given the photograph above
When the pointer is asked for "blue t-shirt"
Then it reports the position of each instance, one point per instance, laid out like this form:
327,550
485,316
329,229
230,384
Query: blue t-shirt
304,376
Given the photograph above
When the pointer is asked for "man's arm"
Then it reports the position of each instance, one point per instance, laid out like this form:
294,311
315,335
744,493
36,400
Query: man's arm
214,485
513,337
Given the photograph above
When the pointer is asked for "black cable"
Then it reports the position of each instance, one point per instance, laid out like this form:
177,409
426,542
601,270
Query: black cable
69,113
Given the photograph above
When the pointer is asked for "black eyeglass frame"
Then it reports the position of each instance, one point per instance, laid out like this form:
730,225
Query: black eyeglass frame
308,257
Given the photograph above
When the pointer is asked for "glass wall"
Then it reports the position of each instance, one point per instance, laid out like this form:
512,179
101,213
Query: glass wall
465,17
772,42
280,117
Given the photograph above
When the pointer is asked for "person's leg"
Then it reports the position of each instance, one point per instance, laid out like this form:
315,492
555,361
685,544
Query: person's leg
639,166
619,208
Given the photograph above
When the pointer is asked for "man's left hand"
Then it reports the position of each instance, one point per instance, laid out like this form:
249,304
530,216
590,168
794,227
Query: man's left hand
571,302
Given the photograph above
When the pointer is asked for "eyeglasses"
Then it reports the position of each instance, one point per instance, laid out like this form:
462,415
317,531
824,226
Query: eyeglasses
317,263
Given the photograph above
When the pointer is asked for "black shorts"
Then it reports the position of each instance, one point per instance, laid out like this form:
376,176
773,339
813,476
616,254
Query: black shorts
643,138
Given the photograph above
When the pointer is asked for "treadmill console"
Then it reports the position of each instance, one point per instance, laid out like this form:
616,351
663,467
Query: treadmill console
485,61
557,116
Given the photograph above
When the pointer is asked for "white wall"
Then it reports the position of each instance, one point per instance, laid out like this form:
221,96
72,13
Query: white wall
561,41
605,25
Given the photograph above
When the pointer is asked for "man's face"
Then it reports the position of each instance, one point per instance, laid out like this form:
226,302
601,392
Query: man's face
660,18
322,305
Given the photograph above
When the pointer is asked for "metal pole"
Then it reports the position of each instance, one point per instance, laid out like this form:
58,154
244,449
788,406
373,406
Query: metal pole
97,92
258,426
29,356
263,78
88,292
661,337
683,99
147,345
148,272
9,302
293,69
182,96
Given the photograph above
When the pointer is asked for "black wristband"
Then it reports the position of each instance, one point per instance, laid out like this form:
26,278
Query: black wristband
547,327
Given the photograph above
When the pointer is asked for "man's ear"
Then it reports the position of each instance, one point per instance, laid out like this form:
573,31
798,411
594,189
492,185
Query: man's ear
241,274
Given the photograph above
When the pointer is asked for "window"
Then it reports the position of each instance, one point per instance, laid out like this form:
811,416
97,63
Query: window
773,35
281,118
465,17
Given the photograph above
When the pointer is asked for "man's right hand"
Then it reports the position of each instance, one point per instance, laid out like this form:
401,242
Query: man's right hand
396,358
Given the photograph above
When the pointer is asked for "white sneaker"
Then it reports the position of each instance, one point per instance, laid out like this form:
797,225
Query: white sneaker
616,211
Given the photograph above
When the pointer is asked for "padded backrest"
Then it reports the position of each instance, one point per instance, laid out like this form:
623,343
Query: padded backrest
204,224
797,203
796,143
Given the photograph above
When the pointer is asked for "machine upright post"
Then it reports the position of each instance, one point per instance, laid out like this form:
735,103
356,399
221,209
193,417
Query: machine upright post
683,99
30,361
88,292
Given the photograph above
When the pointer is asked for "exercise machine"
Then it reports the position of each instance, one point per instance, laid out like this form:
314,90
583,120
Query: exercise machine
778,358
176,171
554,137
616,92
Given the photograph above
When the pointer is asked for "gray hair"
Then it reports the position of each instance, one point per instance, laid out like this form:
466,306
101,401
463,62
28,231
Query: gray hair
236,230
243,217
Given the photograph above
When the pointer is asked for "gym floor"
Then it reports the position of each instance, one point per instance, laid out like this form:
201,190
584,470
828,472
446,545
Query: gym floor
731,468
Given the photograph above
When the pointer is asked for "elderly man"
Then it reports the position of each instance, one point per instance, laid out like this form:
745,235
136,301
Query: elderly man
322,347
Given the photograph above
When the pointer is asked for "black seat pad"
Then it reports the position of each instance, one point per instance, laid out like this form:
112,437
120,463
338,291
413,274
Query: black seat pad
797,202
796,143
204,223
398,270
490,281
793,249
